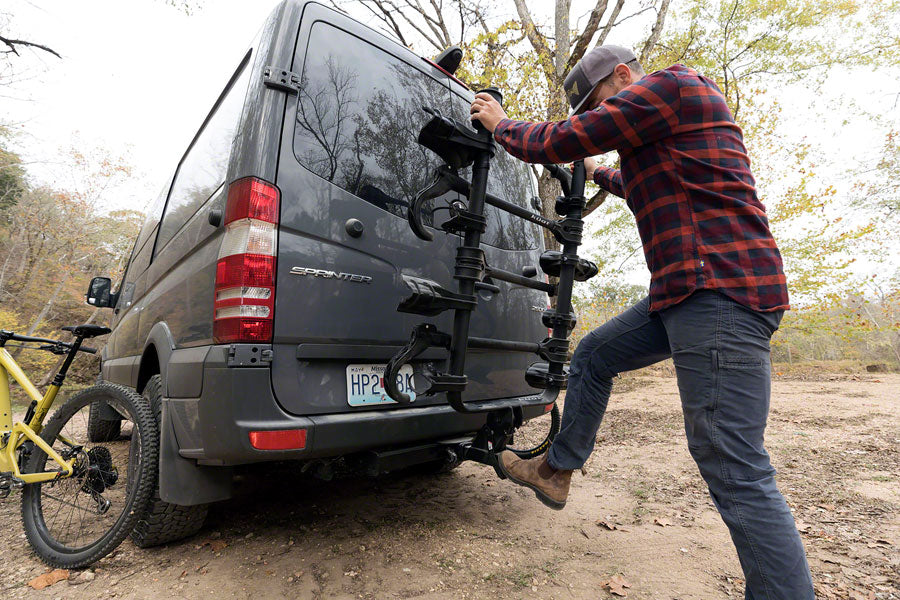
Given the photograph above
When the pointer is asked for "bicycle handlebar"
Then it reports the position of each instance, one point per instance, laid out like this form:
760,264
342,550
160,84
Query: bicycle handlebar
9,335
50,344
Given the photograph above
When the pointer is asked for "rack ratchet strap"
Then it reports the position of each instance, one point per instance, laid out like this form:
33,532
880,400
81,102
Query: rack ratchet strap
460,146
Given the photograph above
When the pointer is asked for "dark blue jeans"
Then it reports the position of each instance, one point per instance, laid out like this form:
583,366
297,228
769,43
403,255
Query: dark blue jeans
721,353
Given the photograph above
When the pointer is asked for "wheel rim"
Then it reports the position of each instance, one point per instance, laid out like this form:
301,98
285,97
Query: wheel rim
75,513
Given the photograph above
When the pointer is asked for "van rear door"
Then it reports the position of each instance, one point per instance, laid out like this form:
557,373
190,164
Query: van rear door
349,157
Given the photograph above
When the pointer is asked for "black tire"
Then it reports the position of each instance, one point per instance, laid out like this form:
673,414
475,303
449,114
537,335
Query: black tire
130,493
555,420
100,430
163,522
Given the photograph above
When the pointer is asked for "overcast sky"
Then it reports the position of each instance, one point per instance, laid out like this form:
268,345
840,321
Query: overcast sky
137,78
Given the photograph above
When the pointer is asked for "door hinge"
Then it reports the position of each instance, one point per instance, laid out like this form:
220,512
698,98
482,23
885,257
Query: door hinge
281,79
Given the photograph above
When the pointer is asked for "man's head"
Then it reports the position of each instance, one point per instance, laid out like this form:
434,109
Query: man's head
601,73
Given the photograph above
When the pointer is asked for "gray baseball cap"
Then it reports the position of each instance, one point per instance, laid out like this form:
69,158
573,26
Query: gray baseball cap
595,66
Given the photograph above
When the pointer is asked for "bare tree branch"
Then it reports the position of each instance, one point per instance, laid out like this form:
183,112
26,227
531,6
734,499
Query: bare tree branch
611,22
655,31
590,29
561,26
13,43
595,201
538,41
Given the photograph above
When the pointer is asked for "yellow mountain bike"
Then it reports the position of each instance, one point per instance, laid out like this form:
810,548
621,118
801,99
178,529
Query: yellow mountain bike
79,499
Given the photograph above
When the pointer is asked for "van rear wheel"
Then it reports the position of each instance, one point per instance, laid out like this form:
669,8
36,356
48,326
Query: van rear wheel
165,522
98,429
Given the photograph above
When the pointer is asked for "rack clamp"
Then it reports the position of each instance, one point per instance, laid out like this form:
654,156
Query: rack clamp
554,349
423,336
568,230
566,204
463,220
470,264
441,382
552,261
552,318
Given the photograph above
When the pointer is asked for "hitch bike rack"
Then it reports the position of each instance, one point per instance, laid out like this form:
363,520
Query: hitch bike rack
460,146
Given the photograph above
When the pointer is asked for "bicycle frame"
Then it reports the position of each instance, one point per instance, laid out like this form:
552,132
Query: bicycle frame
13,435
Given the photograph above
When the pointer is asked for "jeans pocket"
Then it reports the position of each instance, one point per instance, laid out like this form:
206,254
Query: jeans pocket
738,360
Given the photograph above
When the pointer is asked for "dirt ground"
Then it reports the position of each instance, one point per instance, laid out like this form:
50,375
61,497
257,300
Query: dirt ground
641,512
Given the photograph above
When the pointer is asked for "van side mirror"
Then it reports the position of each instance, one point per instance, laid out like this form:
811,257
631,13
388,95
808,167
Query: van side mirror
99,293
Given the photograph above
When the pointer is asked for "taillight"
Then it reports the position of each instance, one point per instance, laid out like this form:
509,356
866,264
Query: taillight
245,272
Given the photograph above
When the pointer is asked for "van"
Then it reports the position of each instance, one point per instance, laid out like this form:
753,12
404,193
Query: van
259,304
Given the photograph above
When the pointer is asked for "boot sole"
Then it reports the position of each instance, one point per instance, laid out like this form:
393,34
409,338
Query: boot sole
541,495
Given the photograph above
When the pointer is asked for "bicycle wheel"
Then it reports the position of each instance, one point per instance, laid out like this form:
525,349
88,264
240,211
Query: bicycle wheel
530,435
74,521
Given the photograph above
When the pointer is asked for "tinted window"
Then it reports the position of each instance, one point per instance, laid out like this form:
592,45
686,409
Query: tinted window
203,168
154,212
358,117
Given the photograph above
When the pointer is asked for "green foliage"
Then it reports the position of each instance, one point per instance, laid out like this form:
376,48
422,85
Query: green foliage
502,59
853,325
52,241
878,187
742,44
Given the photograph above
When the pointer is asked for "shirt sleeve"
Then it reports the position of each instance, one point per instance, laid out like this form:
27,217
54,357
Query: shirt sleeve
610,180
642,113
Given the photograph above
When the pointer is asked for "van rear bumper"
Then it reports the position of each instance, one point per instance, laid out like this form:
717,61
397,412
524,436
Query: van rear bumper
214,429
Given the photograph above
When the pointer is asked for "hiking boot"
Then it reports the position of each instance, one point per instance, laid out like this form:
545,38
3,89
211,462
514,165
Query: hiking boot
550,486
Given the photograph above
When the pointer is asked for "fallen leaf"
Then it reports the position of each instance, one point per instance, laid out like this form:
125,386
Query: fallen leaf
47,579
218,545
662,522
616,585
607,525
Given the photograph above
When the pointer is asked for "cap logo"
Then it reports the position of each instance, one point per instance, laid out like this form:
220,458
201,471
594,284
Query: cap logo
573,91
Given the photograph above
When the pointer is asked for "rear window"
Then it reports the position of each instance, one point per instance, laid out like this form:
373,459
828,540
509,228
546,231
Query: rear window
358,116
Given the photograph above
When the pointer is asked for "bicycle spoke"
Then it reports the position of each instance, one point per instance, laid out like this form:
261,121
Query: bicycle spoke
77,519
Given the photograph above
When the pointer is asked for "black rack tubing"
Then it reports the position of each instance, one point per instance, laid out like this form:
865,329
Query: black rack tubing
461,186
521,280
567,270
472,239
507,345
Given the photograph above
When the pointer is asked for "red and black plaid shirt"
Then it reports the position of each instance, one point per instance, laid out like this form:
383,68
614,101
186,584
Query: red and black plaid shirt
686,177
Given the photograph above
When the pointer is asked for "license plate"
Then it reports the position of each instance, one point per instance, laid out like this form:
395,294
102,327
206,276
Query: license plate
365,384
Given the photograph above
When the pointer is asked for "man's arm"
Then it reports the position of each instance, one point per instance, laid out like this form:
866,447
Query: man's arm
610,180
640,114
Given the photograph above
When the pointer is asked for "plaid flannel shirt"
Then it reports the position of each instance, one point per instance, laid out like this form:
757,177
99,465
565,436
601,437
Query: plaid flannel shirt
685,175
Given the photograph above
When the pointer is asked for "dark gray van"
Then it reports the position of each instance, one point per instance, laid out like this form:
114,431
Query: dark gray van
258,308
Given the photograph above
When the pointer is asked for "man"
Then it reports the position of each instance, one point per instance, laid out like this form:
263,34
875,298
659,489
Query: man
717,292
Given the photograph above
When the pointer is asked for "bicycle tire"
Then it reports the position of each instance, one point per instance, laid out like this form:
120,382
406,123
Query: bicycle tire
136,490
526,453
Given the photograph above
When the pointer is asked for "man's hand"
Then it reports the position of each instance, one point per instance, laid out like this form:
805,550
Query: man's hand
590,165
488,111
